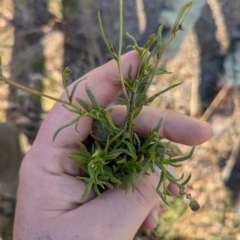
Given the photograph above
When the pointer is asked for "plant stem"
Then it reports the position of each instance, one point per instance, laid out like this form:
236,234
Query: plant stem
120,47
180,19
130,114
37,93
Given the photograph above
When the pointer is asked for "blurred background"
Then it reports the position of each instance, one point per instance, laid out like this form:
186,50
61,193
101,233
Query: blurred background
38,39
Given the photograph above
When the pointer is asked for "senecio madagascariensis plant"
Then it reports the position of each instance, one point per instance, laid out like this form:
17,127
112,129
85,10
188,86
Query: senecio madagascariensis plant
115,155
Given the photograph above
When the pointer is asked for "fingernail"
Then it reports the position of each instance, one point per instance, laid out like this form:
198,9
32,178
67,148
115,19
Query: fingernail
157,169
154,215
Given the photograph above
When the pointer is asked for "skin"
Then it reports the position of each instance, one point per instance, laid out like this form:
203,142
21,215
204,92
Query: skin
48,205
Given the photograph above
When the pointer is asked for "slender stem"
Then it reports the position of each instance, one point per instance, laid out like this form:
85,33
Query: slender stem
182,16
131,114
120,47
37,93
120,27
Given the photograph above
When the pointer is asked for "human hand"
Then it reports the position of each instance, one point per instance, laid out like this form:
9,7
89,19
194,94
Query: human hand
48,201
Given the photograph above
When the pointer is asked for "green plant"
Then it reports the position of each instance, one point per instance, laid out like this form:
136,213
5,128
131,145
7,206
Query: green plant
116,155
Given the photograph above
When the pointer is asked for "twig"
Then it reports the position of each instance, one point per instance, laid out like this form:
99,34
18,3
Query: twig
222,93
194,98
231,161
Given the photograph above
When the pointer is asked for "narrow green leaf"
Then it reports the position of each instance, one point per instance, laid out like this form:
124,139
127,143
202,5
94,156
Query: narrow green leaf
101,184
87,190
92,97
104,130
181,159
97,190
150,56
136,140
109,46
164,199
150,42
161,177
133,39
147,141
121,150
159,70
82,166
108,117
157,128
164,182
85,179
132,178
110,156
173,150
75,87
130,72
109,185
73,110
123,100
152,167
169,193
129,85
65,125
144,169
114,179
171,178
83,104
149,100
98,139
130,147
175,165
83,148
181,16
187,180
79,157
122,161
137,111
116,137
159,43
107,144
65,76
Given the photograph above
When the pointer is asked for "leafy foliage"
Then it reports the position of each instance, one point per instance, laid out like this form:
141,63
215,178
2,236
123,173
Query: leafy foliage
115,155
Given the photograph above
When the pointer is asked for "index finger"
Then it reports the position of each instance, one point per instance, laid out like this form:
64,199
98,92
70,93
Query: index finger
175,127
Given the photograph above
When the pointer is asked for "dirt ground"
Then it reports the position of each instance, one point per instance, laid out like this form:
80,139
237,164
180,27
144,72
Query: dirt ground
215,166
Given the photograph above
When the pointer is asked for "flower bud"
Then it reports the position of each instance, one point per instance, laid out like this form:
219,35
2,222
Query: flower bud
194,205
